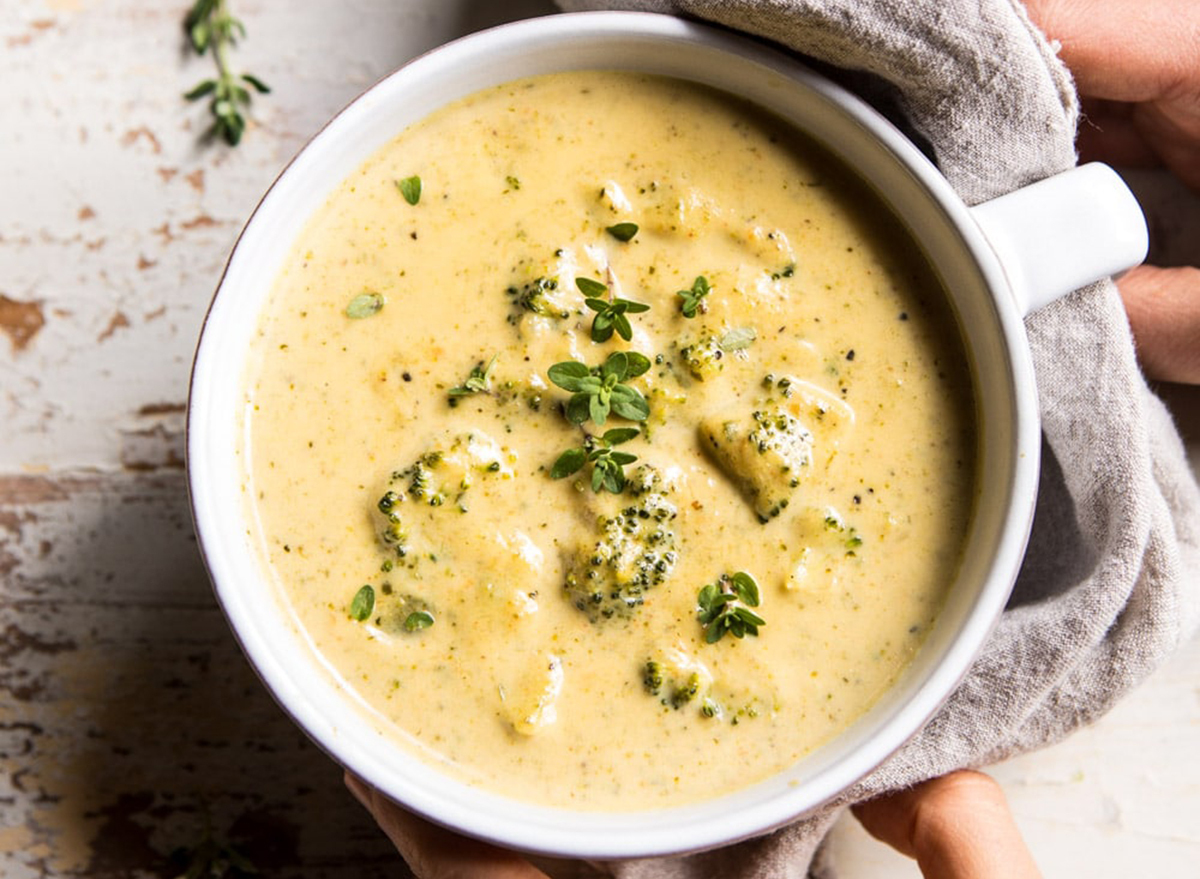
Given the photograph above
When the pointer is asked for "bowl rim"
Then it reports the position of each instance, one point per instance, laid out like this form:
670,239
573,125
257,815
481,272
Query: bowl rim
528,827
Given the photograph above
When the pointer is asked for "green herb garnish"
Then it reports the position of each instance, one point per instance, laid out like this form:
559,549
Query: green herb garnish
622,231
590,287
607,464
738,339
597,390
693,299
209,24
610,315
513,182
410,188
725,607
417,620
363,603
364,305
477,382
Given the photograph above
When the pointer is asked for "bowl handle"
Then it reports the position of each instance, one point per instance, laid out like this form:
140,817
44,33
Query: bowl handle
1063,232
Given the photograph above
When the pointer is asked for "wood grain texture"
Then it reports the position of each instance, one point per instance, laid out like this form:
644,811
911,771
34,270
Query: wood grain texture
130,716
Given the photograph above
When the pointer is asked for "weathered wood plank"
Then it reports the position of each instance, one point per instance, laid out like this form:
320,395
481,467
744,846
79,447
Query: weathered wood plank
129,713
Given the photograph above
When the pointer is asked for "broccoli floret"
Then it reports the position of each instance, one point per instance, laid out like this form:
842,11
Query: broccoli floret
765,454
676,679
635,550
436,478
703,358
652,677
533,297
683,683
830,549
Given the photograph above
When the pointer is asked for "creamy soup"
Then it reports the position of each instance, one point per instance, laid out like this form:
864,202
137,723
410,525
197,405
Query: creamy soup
609,441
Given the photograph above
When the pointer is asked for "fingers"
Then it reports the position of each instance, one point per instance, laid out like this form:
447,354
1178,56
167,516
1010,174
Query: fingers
433,852
1125,50
1164,313
1171,128
1107,133
1139,63
957,826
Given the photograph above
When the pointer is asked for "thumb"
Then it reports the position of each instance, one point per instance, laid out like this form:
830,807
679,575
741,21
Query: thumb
957,826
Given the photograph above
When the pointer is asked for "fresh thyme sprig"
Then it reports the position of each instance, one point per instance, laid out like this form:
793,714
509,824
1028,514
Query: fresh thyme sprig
479,381
725,607
610,313
209,24
598,390
693,299
608,465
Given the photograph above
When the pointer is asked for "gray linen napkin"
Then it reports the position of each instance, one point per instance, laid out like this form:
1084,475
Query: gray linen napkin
1110,584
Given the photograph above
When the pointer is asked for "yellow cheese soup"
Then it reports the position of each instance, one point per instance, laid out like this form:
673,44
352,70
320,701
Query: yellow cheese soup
609,441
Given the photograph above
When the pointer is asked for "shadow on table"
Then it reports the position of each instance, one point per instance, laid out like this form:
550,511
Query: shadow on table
134,724
478,15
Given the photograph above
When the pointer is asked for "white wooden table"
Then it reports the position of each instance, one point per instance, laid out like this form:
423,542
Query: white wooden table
129,719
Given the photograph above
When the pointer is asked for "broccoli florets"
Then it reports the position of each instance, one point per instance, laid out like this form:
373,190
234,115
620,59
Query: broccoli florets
703,358
683,683
434,479
676,679
635,551
533,297
765,454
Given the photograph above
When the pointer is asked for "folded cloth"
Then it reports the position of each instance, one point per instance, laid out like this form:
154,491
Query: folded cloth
1109,585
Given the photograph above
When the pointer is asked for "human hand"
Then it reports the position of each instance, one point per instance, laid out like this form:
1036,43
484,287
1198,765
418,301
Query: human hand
957,826
432,852
1136,64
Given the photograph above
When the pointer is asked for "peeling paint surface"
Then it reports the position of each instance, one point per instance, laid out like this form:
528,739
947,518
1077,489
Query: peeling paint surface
20,321
127,712
129,718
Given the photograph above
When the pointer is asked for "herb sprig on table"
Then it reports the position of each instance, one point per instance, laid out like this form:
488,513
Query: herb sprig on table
209,25
210,858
